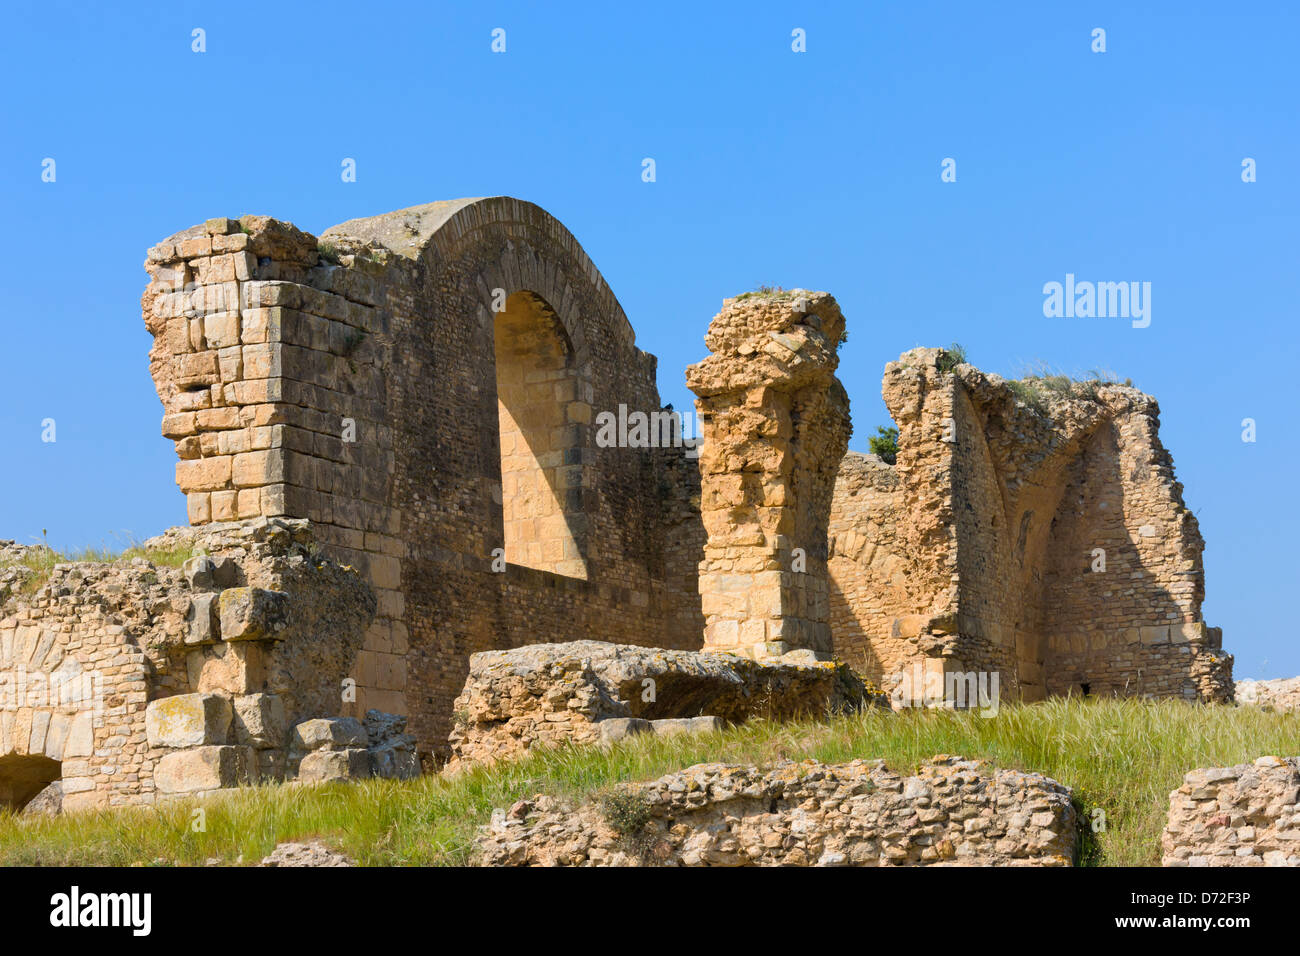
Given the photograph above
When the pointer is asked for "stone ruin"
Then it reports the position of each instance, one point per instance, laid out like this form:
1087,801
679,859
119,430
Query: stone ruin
952,812
426,441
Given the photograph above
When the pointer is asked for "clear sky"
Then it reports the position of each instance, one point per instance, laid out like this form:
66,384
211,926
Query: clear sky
819,169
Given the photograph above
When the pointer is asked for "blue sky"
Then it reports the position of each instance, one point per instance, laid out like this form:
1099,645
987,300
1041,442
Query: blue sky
818,169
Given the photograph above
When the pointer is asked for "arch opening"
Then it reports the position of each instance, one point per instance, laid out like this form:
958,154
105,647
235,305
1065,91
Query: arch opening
542,420
23,776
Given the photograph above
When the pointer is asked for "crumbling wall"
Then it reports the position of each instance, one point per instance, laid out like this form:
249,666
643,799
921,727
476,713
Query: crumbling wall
1247,815
388,381
953,812
1038,534
774,421
259,625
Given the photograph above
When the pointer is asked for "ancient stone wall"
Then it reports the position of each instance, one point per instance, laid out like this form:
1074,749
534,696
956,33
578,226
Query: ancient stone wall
422,386
257,630
1034,533
1247,815
953,812
774,421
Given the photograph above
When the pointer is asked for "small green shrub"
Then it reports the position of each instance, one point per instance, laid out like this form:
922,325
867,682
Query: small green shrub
951,357
626,811
885,443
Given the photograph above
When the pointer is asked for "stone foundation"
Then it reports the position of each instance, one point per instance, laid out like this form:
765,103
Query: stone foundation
952,813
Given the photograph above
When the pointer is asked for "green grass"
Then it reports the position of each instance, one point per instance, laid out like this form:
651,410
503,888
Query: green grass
1121,756
41,560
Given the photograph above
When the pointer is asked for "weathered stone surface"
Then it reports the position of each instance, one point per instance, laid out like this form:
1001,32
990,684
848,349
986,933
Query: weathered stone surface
330,733
952,813
671,726
253,614
313,853
202,769
49,802
328,766
1033,531
775,423
546,694
1281,695
188,720
1245,815
392,750
614,729
259,721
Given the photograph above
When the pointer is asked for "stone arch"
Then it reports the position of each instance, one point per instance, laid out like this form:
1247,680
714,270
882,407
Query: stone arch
47,701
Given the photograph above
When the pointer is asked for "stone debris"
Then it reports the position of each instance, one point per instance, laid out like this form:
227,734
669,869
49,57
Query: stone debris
1280,695
199,671
550,694
954,812
314,853
1245,815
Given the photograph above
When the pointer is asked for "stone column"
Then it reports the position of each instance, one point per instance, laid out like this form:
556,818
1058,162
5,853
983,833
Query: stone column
775,423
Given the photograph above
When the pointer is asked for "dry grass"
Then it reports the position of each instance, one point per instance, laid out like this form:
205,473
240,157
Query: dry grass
1121,756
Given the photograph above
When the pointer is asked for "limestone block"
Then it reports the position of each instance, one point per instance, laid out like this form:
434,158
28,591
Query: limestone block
393,762
187,720
325,766
230,669
205,768
201,620
81,736
252,614
330,733
671,726
259,721
614,729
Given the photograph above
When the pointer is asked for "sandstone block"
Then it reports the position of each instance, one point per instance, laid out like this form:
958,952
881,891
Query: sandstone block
330,733
253,614
205,768
672,726
259,721
326,766
614,729
188,720
201,621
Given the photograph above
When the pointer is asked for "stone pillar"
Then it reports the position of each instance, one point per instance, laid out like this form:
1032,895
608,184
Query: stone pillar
775,423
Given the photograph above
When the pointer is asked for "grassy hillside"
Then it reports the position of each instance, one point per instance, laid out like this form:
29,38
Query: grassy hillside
1121,756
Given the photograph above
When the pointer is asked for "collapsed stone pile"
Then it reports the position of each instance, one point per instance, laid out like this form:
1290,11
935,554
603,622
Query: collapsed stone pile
548,694
953,812
212,746
1245,815
120,681
1281,695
